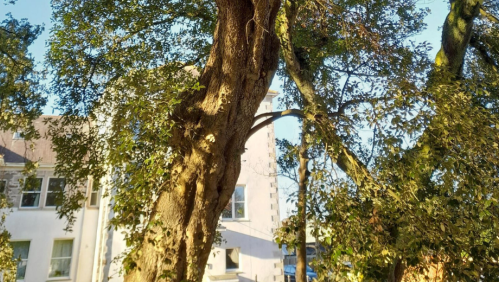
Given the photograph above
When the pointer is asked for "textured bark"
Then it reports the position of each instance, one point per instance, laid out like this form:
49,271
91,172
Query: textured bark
397,271
456,34
213,125
301,235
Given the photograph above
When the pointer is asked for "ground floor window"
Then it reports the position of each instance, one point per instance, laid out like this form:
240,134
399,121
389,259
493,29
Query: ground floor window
232,259
21,251
61,258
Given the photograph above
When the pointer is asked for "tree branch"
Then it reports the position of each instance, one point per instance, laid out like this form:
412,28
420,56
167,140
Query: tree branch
482,50
489,16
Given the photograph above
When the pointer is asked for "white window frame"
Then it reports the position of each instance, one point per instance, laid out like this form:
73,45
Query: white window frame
60,258
4,187
238,258
233,203
31,192
91,193
18,135
47,192
22,260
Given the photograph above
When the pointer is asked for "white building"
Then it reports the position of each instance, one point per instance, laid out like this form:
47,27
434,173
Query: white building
86,254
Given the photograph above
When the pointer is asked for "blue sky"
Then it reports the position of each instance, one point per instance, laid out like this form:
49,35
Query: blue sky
39,12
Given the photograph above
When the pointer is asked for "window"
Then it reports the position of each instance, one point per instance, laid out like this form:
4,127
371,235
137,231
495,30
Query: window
61,258
3,186
236,207
21,251
18,135
31,192
54,192
94,194
232,259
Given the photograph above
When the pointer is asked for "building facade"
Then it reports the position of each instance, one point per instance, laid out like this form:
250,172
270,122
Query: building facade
89,252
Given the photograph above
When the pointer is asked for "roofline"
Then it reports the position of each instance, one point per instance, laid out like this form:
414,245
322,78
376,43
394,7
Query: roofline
272,93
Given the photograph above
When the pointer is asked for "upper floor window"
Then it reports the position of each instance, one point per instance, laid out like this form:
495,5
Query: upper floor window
21,251
236,208
54,192
3,186
60,264
31,192
18,135
94,193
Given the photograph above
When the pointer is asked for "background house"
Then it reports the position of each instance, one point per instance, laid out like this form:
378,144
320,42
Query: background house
88,252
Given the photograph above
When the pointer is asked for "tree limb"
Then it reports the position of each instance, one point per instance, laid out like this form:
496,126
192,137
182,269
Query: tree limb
489,16
482,50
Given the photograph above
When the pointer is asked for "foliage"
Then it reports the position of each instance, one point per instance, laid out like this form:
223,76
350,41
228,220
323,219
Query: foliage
117,91
120,74
21,101
432,197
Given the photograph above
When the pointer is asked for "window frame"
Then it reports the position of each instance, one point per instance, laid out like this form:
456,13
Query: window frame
238,269
91,192
18,135
31,192
47,192
61,258
233,202
22,260
4,187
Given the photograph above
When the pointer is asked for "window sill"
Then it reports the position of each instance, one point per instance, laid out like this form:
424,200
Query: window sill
235,220
28,208
59,279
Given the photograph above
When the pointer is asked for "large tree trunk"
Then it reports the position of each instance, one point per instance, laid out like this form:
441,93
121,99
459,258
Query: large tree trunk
213,124
301,235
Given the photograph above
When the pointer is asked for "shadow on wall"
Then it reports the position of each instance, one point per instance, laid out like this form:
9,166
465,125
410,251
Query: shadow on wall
12,157
251,245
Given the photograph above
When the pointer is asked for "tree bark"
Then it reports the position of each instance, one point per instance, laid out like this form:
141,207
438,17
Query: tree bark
397,271
212,128
301,235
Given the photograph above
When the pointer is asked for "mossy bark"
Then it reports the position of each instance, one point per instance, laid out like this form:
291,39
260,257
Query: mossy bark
213,124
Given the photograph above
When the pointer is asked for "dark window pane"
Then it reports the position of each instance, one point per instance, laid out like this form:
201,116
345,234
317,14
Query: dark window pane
33,184
232,259
3,184
93,199
54,199
55,192
239,210
21,270
30,200
95,185
21,249
56,184
239,194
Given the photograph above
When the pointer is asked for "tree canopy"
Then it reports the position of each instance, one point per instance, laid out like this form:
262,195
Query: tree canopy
421,191
159,97
21,101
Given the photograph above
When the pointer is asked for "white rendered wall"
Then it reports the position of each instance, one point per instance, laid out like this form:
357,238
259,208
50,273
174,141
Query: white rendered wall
41,227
